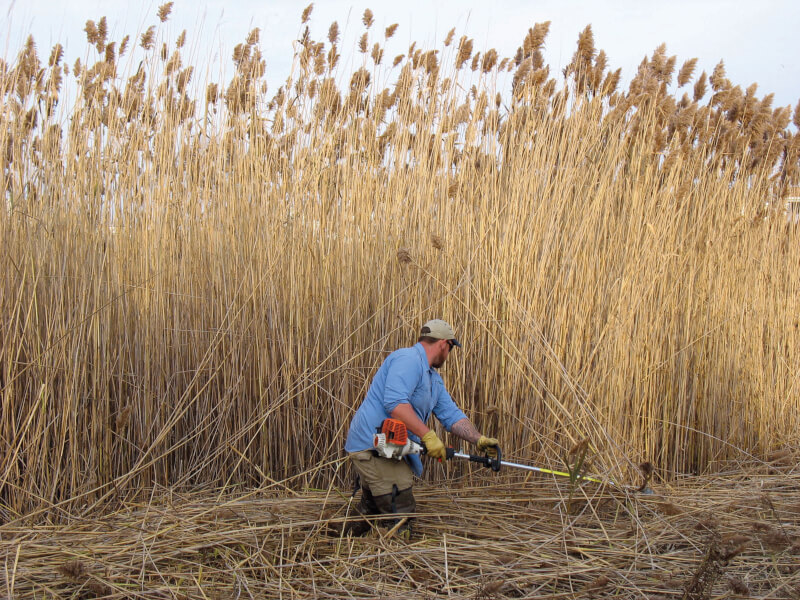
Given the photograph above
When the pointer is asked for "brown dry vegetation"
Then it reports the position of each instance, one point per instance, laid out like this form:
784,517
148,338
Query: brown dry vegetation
725,536
198,285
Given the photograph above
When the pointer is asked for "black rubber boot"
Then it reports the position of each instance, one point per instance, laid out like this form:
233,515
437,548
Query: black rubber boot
367,504
356,528
402,501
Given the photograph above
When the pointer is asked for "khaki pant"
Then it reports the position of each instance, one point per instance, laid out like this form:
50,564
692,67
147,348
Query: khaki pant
379,475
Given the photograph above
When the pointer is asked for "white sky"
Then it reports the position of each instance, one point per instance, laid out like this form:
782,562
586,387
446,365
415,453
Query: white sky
756,39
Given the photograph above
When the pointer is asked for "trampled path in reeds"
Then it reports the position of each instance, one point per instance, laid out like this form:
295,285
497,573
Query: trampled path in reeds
732,535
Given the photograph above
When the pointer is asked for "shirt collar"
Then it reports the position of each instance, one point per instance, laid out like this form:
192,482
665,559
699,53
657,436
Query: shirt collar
423,357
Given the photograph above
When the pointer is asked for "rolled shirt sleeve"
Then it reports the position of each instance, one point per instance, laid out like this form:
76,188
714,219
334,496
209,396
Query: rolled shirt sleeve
401,381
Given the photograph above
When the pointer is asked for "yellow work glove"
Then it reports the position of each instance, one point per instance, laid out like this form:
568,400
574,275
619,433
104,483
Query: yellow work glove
487,445
434,446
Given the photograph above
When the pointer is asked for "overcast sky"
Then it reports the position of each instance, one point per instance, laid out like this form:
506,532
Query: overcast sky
756,39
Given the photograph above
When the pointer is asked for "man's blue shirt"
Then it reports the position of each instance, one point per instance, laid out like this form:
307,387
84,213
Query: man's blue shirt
405,376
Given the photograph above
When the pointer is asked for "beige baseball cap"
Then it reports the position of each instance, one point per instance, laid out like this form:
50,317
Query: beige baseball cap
440,330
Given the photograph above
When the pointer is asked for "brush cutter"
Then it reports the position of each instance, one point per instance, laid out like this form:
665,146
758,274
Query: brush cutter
495,463
392,441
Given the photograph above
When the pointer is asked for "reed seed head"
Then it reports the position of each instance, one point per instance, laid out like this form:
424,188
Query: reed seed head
686,72
123,417
718,81
212,93
377,54
535,39
586,48
700,87
306,14
56,54
74,570
489,60
164,10
91,32
464,51
148,38
333,33
732,545
253,37
738,586
333,57
367,18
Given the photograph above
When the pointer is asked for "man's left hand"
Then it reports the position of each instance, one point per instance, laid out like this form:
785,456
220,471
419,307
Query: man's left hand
488,445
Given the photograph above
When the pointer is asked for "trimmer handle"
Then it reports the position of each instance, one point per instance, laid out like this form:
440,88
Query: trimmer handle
485,460
494,463
449,452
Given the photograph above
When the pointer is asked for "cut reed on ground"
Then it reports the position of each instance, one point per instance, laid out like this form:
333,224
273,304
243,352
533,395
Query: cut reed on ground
198,281
722,536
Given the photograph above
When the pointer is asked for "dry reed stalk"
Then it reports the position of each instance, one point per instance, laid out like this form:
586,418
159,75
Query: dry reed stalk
182,294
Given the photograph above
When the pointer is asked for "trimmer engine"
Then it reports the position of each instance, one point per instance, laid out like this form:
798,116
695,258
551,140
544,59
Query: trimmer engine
392,441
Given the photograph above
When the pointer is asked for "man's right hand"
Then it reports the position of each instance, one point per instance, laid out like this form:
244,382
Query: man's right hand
434,446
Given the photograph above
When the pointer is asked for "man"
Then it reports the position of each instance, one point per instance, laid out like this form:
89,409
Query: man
407,388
